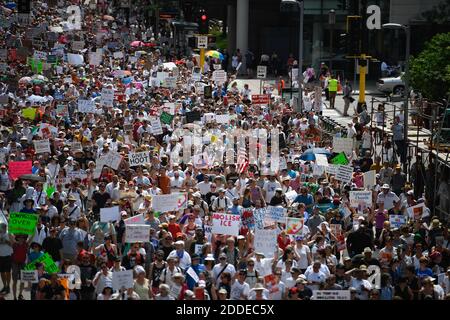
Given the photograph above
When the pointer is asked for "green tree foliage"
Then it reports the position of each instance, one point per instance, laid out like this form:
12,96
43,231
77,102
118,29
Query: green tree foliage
429,72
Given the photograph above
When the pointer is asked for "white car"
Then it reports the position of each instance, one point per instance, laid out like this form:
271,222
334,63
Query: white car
394,85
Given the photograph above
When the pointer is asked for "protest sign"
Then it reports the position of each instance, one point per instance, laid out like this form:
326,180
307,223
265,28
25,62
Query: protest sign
138,158
260,99
137,233
75,59
343,145
266,241
42,146
109,214
247,218
169,202
166,118
29,113
321,160
219,76
223,118
369,179
156,127
62,110
291,195
193,116
415,212
118,55
29,276
226,224
49,265
331,295
318,170
341,158
22,223
169,82
86,106
397,220
344,173
360,199
259,215
294,226
19,168
332,169
111,159
107,97
77,45
276,213
122,279
77,145
336,229
95,58
137,219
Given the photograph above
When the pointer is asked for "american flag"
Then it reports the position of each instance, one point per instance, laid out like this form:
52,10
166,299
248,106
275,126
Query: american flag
242,159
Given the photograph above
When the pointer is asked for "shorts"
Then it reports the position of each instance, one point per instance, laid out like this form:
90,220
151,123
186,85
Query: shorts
16,267
5,264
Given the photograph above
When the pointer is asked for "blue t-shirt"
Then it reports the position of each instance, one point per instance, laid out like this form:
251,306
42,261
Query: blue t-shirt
307,200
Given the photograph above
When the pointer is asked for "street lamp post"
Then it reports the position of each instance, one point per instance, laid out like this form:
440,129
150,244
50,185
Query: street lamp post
406,102
331,22
300,4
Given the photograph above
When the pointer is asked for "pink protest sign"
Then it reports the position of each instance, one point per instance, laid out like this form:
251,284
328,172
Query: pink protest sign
19,168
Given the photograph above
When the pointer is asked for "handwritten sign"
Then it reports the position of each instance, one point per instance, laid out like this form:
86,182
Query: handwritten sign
109,214
169,202
266,241
22,223
343,145
42,146
226,224
294,226
156,127
137,233
19,168
138,158
107,97
29,275
344,173
137,219
111,159
331,295
122,279
360,199
86,106
276,213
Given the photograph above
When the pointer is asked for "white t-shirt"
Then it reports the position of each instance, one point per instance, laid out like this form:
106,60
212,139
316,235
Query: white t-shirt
204,187
388,199
361,294
270,187
237,289
302,252
312,276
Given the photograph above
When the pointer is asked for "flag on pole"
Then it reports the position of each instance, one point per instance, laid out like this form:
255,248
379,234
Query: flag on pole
242,160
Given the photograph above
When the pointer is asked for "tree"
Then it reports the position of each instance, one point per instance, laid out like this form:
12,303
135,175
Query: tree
439,14
429,72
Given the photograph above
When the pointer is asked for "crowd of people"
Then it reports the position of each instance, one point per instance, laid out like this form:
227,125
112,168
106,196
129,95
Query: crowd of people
357,250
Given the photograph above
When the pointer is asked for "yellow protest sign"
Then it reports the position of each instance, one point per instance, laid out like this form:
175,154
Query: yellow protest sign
29,113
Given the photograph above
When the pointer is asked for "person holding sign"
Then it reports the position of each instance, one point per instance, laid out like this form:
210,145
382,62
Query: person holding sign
6,252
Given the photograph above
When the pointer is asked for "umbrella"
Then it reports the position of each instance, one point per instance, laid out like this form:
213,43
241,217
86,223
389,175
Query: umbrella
108,18
214,54
309,154
36,99
32,177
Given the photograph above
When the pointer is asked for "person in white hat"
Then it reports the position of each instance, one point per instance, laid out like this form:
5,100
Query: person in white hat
387,197
183,256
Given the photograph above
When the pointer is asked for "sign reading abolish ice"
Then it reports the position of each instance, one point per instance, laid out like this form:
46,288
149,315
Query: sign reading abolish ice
169,202
22,223
226,224
266,241
137,233
138,158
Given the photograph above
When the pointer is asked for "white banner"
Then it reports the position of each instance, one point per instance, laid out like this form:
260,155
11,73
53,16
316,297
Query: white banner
122,279
226,224
266,241
109,214
360,199
137,233
42,146
331,295
169,202
138,158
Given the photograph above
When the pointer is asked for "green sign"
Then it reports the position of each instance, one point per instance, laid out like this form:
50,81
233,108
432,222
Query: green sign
22,223
53,59
49,265
50,190
166,118
341,158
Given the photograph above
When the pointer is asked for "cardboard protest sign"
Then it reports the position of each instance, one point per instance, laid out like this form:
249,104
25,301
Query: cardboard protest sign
156,127
107,97
22,223
266,241
397,220
226,224
138,158
169,202
49,265
294,226
166,118
29,276
109,214
122,279
369,179
331,295
86,106
341,158
343,145
137,233
137,219
42,146
360,199
344,174
276,213
19,168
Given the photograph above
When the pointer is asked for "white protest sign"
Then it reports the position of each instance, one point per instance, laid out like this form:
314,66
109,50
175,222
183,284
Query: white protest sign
266,241
360,199
29,275
156,126
107,97
397,220
415,212
135,220
369,179
331,295
219,76
86,106
332,169
291,195
75,59
137,233
169,82
343,144
223,118
111,159
42,146
276,213
169,202
192,274
318,170
77,145
138,158
217,66
118,55
109,214
226,224
40,55
122,279
95,58
321,160
344,173
261,72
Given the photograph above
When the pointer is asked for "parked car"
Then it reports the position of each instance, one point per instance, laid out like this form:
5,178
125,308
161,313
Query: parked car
394,85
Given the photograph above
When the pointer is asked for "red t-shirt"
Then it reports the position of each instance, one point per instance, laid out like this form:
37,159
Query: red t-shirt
174,228
283,244
19,252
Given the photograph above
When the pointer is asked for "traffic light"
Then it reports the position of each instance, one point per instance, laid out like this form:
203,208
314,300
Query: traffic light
354,35
24,6
203,22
